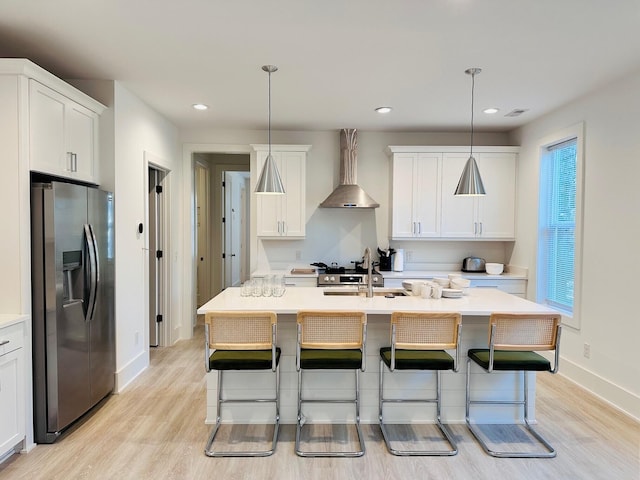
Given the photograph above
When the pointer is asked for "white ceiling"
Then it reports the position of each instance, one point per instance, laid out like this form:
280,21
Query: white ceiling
337,59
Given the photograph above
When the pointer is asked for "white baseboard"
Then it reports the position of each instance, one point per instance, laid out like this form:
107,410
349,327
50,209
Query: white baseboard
619,398
131,370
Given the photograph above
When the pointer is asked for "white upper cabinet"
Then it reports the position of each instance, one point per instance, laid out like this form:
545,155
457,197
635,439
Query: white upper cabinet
423,200
487,217
63,135
282,216
415,195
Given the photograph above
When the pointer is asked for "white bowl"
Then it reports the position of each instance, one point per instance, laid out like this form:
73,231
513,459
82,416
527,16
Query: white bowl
443,282
494,268
408,284
460,283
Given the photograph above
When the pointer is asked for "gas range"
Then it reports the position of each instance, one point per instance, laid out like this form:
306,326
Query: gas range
335,275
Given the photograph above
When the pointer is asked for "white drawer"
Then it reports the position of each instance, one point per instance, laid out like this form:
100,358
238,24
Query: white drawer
11,338
510,286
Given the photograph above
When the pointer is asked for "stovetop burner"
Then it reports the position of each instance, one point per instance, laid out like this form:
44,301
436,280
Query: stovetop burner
337,275
334,270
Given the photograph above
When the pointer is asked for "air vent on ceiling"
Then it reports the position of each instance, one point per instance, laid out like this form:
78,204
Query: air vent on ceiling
516,112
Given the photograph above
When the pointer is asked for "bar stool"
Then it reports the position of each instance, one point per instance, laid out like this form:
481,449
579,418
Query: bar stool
330,340
242,341
513,341
418,342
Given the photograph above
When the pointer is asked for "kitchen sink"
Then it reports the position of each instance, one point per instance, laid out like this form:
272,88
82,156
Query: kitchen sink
377,292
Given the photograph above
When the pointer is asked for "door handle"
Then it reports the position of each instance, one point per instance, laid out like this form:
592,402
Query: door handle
94,272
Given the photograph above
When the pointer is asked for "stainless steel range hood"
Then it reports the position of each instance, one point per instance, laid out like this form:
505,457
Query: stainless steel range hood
349,194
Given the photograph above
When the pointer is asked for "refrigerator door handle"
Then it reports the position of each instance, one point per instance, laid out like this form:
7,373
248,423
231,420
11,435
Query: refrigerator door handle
93,270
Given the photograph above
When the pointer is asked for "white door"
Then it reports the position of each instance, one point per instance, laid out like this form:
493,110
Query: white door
234,226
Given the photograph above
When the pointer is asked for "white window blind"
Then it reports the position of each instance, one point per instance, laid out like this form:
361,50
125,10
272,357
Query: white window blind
558,224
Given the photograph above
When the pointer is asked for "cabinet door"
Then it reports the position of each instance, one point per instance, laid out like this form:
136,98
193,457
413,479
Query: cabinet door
269,207
402,218
458,212
47,131
12,420
292,168
426,195
496,210
416,195
63,134
82,126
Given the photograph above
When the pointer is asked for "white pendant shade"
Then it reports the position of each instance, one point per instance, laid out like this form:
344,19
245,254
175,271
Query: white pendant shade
470,182
269,181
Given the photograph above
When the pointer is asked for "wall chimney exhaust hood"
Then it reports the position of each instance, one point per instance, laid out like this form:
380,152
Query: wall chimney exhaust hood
349,194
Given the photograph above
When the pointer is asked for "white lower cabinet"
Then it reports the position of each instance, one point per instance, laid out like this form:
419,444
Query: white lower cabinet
301,281
515,286
12,392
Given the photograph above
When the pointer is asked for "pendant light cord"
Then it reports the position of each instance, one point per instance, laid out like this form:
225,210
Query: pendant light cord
269,113
473,77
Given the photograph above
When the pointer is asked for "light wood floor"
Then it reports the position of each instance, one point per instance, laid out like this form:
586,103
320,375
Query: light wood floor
155,430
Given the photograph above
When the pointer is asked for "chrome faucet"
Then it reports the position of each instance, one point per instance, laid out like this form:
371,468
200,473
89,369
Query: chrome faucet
369,264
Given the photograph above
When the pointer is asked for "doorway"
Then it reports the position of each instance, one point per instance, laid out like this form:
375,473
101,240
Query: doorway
222,199
203,263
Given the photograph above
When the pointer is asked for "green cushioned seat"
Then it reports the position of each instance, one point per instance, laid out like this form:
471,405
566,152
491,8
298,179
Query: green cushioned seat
510,360
418,359
242,359
311,358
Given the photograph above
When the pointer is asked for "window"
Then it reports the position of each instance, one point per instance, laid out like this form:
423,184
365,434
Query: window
559,225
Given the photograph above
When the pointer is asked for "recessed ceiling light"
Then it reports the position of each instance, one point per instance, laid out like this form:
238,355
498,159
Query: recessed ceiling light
200,106
383,109
491,110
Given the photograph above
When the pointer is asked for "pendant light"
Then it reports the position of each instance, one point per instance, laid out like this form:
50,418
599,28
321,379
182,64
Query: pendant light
269,180
470,182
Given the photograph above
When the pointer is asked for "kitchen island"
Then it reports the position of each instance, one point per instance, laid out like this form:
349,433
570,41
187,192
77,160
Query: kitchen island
474,307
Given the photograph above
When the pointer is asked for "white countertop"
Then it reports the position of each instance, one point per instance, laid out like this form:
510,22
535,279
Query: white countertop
479,301
420,274
7,319
407,274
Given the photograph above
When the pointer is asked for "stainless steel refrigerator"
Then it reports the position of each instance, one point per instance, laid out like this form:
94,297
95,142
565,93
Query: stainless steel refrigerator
72,249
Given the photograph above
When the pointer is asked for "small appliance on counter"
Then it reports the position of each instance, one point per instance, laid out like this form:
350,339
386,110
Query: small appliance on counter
473,265
398,260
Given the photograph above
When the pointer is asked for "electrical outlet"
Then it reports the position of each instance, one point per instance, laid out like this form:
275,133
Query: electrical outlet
408,255
586,351
136,338
298,254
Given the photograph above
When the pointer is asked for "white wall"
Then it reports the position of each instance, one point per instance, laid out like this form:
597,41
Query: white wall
139,130
341,235
611,263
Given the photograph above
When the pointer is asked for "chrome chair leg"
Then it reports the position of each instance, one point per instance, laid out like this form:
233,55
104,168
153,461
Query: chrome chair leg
550,451
443,429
